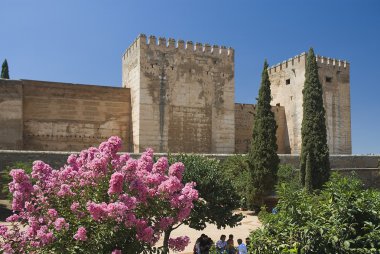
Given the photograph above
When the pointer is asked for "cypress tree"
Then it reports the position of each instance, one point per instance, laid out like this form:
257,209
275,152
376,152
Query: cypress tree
4,70
313,131
262,157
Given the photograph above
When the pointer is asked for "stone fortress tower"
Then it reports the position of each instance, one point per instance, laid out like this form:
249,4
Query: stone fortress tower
182,95
287,81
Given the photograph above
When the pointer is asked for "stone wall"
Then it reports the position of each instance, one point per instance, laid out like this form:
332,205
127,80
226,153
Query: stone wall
64,117
287,81
10,114
365,166
182,95
335,78
244,120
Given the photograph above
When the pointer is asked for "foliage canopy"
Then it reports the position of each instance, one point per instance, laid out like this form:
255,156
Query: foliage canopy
343,218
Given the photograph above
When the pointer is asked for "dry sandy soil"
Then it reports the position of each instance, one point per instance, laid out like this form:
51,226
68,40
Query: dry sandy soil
249,223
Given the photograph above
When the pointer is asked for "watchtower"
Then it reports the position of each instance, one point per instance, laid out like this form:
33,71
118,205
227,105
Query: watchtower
287,81
182,95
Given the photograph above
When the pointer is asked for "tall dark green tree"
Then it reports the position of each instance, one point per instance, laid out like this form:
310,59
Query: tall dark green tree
308,175
313,131
262,157
5,70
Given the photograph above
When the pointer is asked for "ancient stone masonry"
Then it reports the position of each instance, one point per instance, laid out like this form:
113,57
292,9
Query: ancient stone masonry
287,79
177,96
182,95
11,125
38,115
244,120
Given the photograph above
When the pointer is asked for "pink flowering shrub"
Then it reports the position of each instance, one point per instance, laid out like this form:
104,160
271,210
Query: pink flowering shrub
179,243
99,202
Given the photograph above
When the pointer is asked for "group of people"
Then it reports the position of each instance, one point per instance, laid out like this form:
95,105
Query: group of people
223,245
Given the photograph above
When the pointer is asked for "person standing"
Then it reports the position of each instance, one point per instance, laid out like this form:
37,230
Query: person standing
242,249
248,243
230,248
221,244
197,245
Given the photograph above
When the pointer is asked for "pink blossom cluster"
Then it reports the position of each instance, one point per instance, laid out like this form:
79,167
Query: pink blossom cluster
179,243
137,198
21,188
81,234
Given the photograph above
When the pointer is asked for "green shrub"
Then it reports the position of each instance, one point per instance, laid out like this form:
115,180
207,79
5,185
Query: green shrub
287,174
217,197
5,178
236,169
342,218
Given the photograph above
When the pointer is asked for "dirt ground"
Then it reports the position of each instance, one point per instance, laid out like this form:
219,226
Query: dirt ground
249,223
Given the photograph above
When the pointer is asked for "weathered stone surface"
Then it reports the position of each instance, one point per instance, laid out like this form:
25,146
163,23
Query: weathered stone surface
39,115
244,120
287,81
10,114
182,96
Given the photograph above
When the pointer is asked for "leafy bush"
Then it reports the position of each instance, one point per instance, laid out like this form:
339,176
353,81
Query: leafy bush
343,218
218,198
5,178
98,202
236,169
287,174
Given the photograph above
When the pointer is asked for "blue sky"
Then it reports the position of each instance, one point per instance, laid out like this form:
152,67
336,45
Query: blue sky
82,41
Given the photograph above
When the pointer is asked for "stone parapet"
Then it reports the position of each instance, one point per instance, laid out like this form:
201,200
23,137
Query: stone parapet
365,166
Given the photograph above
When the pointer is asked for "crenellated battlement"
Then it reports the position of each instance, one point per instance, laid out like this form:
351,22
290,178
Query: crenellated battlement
332,61
171,43
301,58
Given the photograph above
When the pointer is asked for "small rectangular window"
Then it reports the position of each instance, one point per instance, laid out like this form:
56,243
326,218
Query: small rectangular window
288,81
328,79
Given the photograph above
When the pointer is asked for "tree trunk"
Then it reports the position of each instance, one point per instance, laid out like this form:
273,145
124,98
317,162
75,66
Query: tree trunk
166,239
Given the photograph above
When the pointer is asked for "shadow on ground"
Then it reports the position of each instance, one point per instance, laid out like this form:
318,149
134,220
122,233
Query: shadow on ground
5,210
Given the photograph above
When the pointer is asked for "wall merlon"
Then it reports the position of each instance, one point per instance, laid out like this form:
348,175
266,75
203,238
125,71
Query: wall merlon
142,38
171,43
181,44
162,41
198,47
207,47
152,40
215,49
189,45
